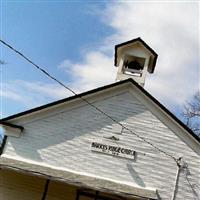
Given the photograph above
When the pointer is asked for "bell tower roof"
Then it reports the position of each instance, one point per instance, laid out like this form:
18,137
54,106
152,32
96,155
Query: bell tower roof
119,48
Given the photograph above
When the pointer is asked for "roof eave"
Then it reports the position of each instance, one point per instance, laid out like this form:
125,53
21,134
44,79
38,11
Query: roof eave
100,89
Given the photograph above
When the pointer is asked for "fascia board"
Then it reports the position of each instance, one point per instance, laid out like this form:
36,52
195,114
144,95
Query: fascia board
165,118
11,131
70,105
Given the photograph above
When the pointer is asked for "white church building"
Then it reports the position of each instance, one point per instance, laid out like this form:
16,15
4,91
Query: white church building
116,142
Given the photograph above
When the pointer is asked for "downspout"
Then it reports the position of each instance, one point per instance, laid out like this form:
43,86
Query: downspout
176,179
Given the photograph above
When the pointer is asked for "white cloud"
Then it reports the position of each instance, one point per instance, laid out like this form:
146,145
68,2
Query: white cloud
12,95
66,65
171,29
32,94
96,70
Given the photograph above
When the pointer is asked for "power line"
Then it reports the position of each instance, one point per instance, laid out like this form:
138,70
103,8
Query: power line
85,100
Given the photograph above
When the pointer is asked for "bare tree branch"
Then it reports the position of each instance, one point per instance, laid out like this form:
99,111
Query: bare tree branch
191,113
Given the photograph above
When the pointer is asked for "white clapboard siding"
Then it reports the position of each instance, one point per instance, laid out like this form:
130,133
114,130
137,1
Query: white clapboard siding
14,186
63,139
17,186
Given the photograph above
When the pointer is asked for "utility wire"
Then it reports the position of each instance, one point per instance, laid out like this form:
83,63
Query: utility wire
85,100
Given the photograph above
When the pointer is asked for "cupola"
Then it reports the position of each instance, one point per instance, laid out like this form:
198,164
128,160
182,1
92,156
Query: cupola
134,59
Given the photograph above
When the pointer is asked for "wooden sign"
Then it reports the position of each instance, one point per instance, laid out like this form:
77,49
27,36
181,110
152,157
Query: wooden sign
113,150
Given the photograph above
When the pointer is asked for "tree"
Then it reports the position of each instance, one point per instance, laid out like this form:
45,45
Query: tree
191,113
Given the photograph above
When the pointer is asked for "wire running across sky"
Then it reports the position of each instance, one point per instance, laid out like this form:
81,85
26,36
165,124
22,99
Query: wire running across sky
86,101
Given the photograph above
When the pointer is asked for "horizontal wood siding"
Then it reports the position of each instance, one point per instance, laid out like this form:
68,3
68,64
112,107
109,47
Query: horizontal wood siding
14,186
60,191
17,186
62,139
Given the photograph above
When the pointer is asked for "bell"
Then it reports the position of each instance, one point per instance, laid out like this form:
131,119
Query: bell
133,65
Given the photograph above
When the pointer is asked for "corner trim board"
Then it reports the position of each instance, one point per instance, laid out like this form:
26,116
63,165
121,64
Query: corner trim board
3,144
46,187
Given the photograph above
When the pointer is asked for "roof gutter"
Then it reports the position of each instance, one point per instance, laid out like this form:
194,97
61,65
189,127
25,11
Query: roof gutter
11,125
11,129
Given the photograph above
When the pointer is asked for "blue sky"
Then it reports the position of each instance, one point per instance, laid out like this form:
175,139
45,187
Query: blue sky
75,41
48,33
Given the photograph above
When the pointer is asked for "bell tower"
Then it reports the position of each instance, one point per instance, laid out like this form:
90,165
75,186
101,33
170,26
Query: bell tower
134,59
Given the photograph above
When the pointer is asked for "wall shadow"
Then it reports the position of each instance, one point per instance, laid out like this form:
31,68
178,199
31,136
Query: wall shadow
135,175
72,125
